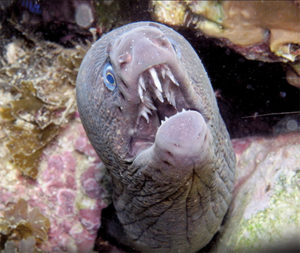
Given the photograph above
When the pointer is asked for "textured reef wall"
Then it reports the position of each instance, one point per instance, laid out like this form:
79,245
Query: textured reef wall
265,211
260,30
50,191
51,195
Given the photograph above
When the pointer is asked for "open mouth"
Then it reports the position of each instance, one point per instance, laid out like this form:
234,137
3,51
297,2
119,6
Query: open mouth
160,98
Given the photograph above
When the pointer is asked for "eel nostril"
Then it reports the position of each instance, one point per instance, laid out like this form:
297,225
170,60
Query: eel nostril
122,65
163,42
124,59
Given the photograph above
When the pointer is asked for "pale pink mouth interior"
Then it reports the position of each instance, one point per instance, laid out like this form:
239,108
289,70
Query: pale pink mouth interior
159,102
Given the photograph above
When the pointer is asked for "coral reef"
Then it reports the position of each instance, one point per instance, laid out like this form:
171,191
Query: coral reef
49,172
260,30
38,97
22,228
244,24
265,211
46,160
67,193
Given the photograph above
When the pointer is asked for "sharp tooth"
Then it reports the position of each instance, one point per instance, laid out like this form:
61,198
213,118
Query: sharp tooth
171,98
159,95
171,76
142,82
140,91
155,79
147,110
169,93
183,110
163,73
144,113
148,102
166,118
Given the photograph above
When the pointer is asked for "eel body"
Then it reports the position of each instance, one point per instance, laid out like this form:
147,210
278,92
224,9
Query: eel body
148,108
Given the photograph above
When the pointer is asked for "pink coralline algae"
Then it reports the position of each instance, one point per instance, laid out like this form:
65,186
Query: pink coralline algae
89,181
67,192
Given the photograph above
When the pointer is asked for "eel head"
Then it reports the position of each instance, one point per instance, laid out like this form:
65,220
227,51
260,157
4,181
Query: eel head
147,85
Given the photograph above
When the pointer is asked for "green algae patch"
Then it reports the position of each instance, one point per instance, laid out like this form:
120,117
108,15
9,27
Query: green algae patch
279,222
38,91
264,215
22,228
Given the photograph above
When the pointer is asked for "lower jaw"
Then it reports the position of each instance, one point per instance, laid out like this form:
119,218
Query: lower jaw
139,143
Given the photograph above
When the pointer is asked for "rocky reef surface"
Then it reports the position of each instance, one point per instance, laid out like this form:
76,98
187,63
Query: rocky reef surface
265,211
259,30
51,192
60,210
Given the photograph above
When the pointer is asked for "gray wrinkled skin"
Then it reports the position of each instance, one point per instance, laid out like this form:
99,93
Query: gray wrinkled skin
172,180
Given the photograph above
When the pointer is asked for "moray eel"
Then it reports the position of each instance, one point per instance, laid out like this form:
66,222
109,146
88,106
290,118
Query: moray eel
148,108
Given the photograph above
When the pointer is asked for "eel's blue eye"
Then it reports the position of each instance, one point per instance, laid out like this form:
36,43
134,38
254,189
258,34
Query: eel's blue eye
109,77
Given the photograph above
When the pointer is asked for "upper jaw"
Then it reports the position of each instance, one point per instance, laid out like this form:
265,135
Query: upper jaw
157,86
160,96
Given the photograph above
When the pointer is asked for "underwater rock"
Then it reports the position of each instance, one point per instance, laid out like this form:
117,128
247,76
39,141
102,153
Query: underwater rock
64,22
113,13
22,228
66,192
265,211
293,74
46,161
43,74
70,21
245,26
259,30
38,97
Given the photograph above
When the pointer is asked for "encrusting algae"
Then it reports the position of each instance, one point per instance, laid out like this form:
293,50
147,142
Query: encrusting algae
243,23
37,87
22,228
259,30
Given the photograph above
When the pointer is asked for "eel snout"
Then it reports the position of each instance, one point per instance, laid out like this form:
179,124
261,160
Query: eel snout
141,49
183,141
